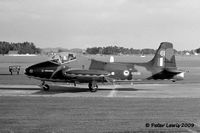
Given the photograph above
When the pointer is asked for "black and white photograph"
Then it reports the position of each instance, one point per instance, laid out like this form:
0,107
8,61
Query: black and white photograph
99,66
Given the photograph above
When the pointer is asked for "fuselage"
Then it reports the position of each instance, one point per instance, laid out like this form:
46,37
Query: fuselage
84,70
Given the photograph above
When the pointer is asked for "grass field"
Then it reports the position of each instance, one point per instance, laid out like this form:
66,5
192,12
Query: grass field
89,115
182,61
75,110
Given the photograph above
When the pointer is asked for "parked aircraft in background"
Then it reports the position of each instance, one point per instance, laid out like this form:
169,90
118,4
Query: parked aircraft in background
81,69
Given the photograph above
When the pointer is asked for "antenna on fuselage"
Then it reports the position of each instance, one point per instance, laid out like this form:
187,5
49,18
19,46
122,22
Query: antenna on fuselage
112,59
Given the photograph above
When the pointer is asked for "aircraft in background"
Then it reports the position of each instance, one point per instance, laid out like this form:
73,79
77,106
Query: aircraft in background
81,69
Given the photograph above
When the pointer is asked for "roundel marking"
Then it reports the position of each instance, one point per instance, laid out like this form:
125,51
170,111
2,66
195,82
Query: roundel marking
126,72
162,53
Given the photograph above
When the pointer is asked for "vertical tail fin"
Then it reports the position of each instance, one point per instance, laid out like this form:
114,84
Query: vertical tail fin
164,56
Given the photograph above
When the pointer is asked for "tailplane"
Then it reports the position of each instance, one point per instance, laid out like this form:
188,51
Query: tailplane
164,56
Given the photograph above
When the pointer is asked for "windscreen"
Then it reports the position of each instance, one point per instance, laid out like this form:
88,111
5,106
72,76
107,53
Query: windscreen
63,59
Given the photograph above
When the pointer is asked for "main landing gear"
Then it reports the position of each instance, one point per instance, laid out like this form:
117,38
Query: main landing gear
45,86
93,86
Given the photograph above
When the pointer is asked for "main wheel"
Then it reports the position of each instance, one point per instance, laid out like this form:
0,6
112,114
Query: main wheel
45,87
93,86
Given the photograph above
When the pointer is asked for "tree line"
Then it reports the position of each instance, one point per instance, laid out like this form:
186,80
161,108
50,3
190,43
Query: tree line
22,48
115,50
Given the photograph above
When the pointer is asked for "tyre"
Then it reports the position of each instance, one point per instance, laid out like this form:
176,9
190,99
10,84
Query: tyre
93,87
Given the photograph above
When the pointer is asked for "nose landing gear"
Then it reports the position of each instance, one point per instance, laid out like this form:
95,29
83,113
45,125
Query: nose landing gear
44,86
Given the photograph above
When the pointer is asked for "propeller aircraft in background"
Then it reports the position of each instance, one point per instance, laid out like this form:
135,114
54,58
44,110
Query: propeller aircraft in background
82,69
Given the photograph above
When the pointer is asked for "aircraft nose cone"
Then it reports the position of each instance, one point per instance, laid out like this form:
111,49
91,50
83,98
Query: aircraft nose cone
42,70
28,71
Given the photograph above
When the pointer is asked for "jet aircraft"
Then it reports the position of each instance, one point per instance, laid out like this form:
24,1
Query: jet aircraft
82,69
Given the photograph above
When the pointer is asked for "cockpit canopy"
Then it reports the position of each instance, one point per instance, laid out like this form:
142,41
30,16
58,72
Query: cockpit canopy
63,58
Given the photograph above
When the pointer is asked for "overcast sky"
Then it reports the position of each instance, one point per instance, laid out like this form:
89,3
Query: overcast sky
88,23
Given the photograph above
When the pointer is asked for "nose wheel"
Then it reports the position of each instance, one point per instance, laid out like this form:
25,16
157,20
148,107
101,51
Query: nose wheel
45,87
93,87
